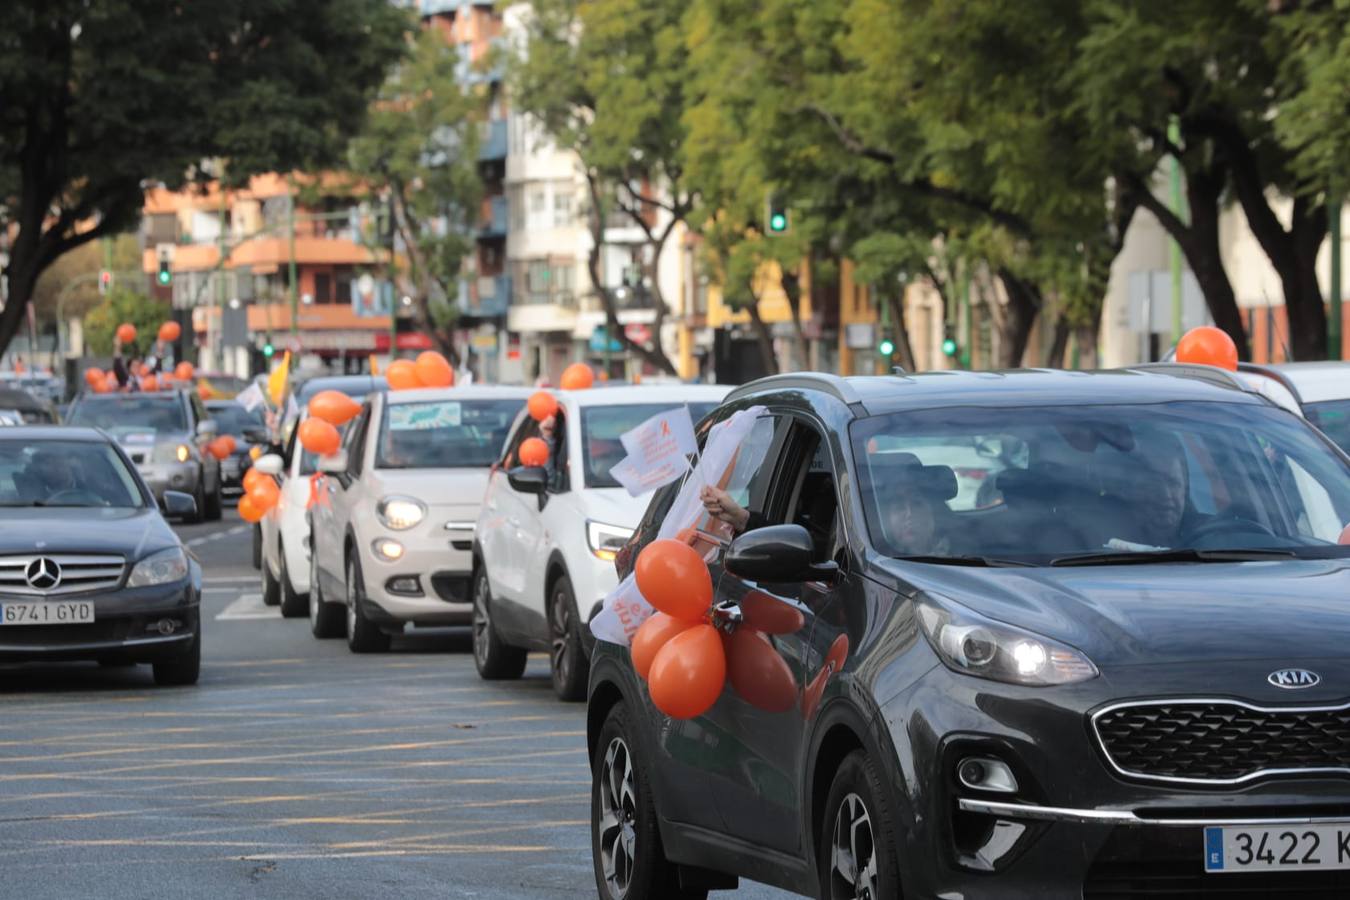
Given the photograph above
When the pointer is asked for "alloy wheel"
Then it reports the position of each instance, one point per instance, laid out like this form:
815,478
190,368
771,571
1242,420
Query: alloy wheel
560,654
482,620
351,605
853,858
617,823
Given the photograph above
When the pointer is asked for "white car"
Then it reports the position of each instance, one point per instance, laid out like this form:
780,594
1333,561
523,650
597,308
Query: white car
1324,393
546,539
392,528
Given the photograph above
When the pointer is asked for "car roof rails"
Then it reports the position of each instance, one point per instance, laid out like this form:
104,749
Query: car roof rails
1274,375
1192,371
834,385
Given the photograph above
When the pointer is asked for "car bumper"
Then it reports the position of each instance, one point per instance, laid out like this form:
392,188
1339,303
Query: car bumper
428,585
161,477
1074,828
129,625
232,469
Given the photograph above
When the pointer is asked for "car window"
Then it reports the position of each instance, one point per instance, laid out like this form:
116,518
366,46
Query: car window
1333,418
444,433
602,426
751,475
1095,478
525,429
355,442
976,461
66,473
232,418
812,497
131,413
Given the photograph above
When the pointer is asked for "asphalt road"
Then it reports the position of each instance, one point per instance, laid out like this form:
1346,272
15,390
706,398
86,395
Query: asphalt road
295,769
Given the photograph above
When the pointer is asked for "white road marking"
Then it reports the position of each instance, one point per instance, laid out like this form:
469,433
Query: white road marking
249,606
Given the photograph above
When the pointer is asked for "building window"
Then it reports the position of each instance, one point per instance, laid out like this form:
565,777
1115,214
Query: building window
323,287
563,215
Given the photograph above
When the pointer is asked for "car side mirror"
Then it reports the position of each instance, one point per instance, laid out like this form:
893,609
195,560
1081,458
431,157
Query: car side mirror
207,428
528,479
776,553
334,464
177,505
269,464
256,435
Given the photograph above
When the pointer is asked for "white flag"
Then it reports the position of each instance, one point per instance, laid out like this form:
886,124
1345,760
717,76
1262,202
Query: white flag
665,435
638,480
251,397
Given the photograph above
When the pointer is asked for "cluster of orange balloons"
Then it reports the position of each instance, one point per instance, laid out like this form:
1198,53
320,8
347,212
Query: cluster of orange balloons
677,651
260,495
1208,346
430,370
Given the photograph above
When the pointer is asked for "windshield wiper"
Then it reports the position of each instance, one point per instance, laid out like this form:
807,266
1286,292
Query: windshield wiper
1125,558
989,561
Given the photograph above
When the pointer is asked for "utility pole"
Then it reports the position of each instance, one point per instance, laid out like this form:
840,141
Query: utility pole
295,287
220,286
1174,249
393,281
1334,232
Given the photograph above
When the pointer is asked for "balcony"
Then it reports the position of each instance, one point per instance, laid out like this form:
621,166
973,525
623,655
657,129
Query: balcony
494,221
494,144
485,298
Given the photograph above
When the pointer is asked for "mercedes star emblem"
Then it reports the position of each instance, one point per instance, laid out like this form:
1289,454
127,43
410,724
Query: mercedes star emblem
43,574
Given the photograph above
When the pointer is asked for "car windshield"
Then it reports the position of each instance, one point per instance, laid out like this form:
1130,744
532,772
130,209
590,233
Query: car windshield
601,426
1333,418
65,473
131,413
232,418
1043,484
444,434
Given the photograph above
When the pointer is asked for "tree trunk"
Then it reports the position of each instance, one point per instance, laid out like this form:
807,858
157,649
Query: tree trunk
766,354
1024,304
1054,357
1306,309
1085,344
792,288
903,348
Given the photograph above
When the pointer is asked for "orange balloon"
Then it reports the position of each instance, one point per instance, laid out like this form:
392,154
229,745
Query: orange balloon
264,494
334,407
758,673
577,377
149,383
542,404
1208,346
93,375
433,370
675,579
402,375
126,332
248,511
142,370
228,442
763,612
320,437
184,371
533,452
110,383
216,449
251,478
651,636
688,674
169,332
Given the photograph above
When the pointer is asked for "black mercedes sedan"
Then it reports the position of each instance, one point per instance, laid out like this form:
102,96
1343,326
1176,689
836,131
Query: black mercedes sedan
999,635
89,569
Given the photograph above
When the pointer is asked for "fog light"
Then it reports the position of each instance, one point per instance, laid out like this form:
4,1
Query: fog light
387,549
985,774
165,626
405,584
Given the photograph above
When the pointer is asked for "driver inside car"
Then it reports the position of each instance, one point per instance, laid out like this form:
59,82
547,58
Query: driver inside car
49,474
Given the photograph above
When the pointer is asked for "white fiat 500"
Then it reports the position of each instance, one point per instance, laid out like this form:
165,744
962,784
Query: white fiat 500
547,537
393,521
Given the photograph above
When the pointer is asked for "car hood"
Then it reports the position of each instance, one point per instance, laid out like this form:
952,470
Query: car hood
456,489
1177,612
613,506
132,533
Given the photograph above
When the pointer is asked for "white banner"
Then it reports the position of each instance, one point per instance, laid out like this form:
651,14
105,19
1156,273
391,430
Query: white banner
251,397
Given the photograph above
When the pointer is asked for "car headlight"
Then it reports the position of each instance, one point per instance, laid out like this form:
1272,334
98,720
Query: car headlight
387,549
974,645
171,453
604,540
400,513
164,567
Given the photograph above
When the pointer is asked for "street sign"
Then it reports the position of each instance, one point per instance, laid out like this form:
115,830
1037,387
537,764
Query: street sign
597,343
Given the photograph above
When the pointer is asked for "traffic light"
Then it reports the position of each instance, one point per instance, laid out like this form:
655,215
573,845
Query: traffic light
778,215
164,276
164,253
886,347
949,347
105,280
268,350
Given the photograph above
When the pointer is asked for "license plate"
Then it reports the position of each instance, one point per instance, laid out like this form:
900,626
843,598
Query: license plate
1243,849
61,613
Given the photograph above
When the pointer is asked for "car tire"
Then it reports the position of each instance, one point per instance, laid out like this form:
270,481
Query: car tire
293,605
325,619
214,505
363,635
495,659
626,851
257,546
198,497
271,587
181,670
567,656
857,824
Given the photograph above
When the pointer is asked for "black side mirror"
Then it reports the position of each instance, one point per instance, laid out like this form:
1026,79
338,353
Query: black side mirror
528,479
776,553
177,505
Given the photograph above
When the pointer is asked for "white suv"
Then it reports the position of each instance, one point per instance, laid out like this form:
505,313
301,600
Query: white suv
546,538
393,523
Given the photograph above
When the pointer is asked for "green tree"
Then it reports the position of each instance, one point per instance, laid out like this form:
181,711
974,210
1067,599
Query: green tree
607,79
75,274
419,149
99,97
124,304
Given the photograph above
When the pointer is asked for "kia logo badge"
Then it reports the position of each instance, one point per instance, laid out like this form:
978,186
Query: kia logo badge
1293,679
43,574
